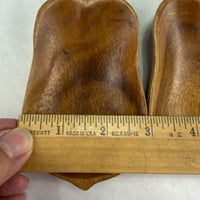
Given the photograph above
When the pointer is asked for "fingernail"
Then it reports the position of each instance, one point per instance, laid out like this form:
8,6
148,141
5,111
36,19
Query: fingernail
16,142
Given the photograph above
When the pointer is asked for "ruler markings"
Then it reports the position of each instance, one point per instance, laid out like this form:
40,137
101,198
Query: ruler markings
29,124
197,127
187,120
63,124
162,124
147,119
51,121
27,118
73,121
193,120
95,121
68,120
126,119
165,120
117,121
79,120
174,124
35,119
177,137
46,120
151,127
154,120
112,120
190,122
41,122
85,122
157,121
140,123
179,122
176,120
82,119
185,123
177,125
168,121
57,119
107,124
32,118
143,119
136,119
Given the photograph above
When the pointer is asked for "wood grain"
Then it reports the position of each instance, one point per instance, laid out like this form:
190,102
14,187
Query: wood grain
175,83
85,62
160,156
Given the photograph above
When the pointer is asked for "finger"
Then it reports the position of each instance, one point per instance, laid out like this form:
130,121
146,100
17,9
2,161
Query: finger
15,149
16,185
14,197
5,165
7,124
10,167
17,164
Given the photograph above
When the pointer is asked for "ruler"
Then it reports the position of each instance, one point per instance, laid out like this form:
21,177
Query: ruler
113,144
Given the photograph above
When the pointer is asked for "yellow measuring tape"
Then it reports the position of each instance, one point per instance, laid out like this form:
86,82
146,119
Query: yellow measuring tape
113,144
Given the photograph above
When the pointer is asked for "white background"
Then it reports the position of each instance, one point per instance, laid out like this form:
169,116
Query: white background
16,32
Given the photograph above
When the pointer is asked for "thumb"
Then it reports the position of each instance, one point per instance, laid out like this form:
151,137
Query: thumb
15,149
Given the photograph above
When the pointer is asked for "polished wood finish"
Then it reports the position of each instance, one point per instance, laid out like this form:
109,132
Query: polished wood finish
85,62
175,83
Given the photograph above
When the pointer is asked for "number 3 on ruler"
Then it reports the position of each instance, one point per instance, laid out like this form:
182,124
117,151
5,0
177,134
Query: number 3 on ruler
148,133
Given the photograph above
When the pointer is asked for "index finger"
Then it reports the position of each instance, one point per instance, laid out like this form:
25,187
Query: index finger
7,124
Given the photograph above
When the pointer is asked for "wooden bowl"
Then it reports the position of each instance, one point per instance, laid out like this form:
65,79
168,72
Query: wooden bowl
175,81
85,62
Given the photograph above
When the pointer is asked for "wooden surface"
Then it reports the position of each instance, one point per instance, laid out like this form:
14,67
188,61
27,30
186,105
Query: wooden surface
85,62
116,155
175,83
131,144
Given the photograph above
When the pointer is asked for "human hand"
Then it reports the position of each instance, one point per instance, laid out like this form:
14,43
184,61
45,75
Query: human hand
15,149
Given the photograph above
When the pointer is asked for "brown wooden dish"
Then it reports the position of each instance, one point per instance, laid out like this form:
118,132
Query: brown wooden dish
175,81
85,62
